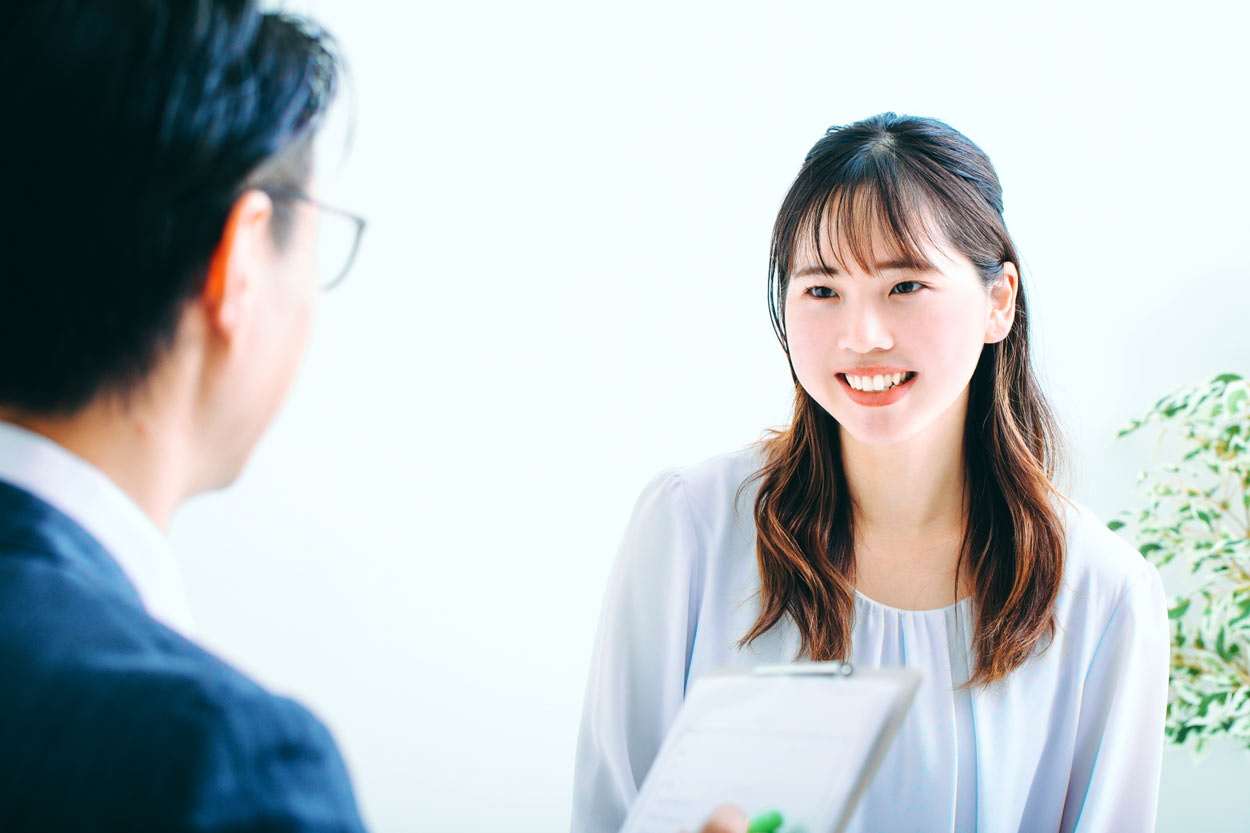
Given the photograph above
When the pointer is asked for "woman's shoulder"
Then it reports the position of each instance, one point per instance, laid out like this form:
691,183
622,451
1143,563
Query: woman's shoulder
716,495
1099,563
716,484
721,474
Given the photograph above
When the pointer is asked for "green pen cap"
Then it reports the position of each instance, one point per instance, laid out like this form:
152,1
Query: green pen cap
765,823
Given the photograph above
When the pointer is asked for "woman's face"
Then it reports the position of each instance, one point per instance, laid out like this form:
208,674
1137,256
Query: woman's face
890,354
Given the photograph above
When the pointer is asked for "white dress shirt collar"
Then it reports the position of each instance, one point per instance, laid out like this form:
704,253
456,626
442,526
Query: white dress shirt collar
92,500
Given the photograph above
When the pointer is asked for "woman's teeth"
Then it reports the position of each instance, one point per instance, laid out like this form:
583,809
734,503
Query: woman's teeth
878,383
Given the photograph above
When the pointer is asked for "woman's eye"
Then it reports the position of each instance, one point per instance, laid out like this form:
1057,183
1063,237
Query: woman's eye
916,287
820,292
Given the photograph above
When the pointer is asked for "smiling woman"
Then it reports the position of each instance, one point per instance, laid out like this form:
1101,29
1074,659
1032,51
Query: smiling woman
906,516
904,266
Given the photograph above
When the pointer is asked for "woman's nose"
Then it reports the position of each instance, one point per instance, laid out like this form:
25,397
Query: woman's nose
864,329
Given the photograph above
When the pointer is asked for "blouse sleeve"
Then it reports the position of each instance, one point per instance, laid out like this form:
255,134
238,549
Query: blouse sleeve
638,670
1114,782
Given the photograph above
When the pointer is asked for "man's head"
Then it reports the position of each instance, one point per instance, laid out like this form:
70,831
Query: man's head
150,240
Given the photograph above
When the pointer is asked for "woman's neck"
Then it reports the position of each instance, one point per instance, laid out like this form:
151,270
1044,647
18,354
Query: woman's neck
912,489
909,515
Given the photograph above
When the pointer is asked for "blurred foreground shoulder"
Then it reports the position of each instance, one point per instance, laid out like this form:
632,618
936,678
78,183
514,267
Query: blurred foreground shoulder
298,781
155,734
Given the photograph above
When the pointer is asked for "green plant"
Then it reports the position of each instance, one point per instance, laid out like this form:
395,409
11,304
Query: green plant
1196,514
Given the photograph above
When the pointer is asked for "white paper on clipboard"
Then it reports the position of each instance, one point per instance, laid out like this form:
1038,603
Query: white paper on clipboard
801,739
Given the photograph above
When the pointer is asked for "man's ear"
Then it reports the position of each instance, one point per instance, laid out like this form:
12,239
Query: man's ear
1002,304
229,285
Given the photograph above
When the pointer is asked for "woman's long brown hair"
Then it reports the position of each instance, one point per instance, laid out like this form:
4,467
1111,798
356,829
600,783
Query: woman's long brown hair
908,180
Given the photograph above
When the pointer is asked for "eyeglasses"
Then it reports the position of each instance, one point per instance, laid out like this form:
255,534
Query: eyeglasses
338,236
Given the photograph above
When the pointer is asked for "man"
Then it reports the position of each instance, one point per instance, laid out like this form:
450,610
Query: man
157,291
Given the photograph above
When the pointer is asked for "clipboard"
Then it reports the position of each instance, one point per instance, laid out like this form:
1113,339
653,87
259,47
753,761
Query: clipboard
801,739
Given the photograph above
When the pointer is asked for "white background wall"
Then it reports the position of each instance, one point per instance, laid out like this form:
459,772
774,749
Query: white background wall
561,292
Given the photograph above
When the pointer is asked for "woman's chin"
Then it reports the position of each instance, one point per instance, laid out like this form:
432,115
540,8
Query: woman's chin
878,433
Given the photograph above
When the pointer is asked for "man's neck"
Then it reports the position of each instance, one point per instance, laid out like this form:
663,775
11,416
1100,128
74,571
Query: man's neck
134,450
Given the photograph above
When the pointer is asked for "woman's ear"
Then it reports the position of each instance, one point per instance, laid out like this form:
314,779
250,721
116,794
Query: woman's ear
235,264
1002,304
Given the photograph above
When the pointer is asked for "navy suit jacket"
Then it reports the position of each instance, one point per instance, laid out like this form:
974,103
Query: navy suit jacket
109,721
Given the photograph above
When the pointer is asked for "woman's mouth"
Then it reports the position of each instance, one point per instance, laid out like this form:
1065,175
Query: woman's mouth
877,390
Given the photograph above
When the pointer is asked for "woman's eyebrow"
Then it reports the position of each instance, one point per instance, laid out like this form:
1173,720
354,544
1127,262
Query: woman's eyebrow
904,265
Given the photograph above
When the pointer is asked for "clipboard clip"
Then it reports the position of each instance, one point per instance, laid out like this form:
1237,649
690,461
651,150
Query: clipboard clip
837,669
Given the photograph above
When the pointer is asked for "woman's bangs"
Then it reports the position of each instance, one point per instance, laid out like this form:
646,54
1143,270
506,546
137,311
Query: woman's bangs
871,225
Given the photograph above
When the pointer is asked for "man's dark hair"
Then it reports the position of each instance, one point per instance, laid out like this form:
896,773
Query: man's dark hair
130,128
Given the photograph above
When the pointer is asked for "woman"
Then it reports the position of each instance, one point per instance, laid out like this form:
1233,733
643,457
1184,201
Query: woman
905,517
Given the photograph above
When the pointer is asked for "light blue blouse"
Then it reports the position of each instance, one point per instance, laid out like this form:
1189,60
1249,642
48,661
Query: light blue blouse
1071,741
